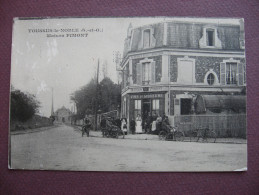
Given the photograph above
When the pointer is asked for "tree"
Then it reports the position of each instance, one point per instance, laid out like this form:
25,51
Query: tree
23,105
107,99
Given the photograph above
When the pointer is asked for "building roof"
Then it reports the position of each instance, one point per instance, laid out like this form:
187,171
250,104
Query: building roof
181,34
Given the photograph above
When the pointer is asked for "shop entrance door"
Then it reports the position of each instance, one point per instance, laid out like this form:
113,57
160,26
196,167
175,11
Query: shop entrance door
146,108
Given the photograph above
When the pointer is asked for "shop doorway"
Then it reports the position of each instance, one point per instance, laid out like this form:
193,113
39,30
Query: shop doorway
146,108
186,106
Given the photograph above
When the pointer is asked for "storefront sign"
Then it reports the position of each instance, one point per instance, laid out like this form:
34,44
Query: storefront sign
144,96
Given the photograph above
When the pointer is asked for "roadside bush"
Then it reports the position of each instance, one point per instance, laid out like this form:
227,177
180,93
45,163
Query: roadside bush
23,105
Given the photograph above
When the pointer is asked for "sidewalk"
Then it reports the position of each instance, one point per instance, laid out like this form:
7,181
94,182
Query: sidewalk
155,137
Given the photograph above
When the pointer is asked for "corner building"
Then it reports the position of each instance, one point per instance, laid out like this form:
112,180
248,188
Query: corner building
167,65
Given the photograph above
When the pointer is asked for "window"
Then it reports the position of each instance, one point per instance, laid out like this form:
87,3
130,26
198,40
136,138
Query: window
155,107
210,40
146,38
231,73
211,79
146,73
137,108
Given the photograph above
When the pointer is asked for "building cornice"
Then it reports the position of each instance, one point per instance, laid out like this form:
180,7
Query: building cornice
177,87
184,52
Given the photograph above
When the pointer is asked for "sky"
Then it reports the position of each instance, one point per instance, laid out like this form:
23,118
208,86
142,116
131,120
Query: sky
40,63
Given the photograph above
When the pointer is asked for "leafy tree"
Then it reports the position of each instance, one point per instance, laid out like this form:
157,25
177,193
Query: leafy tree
107,98
23,105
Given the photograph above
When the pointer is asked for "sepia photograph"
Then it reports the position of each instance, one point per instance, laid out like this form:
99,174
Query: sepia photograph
134,94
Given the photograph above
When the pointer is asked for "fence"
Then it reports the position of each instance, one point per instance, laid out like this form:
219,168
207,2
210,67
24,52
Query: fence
35,122
230,125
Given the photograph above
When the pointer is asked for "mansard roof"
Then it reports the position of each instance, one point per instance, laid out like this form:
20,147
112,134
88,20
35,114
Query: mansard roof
182,35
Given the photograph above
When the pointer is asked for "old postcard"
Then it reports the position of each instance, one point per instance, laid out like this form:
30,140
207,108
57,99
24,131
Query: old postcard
128,94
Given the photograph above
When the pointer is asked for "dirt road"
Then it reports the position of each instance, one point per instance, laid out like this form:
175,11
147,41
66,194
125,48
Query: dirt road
63,148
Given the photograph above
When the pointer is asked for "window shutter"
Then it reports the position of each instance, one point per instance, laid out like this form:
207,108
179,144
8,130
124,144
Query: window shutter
240,74
139,74
153,72
223,73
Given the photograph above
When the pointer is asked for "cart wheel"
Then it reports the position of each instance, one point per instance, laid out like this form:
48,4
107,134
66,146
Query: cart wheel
193,136
179,136
162,135
212,137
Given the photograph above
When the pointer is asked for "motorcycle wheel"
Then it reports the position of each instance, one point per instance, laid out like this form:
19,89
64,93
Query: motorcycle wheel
179,136
162,135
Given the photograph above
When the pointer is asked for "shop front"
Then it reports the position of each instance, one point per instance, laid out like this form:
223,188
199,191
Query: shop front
145,104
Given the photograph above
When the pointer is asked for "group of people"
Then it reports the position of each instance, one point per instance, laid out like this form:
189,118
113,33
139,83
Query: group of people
152,124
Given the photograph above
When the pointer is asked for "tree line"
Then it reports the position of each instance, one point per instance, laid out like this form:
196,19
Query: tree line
23,105
104,96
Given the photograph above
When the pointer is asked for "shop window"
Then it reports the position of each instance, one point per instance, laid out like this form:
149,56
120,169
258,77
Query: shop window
146,38
231,73
211,79
137,108
155,107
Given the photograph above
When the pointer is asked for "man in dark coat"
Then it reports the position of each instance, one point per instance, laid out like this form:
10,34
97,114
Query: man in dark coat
132,125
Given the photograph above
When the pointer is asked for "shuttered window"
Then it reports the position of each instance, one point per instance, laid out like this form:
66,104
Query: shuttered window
231,73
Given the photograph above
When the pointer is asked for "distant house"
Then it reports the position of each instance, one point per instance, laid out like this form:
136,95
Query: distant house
167,65
63,115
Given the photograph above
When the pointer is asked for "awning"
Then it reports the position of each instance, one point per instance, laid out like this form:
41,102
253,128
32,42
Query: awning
218,103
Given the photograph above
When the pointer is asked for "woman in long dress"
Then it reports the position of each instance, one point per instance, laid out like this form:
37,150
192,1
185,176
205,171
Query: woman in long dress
138,124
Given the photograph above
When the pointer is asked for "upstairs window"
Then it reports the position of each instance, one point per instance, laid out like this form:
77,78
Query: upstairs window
211,79
146,38
231,73
210,37
146,77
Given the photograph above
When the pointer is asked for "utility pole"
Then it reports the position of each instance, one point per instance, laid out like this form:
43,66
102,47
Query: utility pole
96,98
52,103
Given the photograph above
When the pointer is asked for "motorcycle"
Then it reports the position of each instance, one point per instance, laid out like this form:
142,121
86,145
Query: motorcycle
111,130
170,133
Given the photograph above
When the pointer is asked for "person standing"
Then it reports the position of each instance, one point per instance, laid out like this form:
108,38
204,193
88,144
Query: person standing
149,122
138,124
132,126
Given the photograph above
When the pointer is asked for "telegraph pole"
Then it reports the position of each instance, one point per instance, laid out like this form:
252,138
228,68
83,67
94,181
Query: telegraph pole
96,100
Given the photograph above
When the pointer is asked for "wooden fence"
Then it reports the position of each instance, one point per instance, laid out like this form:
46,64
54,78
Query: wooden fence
230,125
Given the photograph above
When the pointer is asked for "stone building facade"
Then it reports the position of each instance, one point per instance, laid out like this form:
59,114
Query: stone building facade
167,65
63,115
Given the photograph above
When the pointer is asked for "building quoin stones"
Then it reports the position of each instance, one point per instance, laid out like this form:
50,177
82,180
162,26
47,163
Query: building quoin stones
183,68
